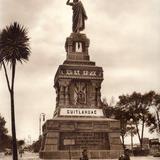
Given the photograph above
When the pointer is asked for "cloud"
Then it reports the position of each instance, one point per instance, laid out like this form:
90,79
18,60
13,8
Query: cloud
25,12
124,41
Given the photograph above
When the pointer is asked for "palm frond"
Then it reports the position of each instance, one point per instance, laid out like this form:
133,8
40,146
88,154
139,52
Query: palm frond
14,44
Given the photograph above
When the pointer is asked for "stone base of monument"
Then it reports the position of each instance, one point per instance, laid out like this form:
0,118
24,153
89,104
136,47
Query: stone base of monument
92,154
65,138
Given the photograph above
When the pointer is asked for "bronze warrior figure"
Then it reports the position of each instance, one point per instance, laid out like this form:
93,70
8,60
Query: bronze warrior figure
79,15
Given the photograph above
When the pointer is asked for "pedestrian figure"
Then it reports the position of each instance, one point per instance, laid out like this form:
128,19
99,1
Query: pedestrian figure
126,155
121,157
84,155
20,151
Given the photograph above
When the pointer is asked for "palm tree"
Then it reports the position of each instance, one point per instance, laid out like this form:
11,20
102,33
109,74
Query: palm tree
14,46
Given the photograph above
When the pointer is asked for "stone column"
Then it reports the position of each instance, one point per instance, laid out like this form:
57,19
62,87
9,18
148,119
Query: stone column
66,95
61,95
69,45
93,101
57,96
64,92
86,46
98,94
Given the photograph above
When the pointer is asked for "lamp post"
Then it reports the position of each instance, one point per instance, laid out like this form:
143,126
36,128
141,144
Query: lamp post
29,139
42,115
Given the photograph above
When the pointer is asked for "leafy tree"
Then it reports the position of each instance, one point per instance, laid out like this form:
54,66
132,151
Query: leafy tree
36,146
5,140
137,106
108,109
140,107
123,115
14,47
21,142
3,131
156,103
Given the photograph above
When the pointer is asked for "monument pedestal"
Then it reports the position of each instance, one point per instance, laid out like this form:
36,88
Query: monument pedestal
78,122
100,136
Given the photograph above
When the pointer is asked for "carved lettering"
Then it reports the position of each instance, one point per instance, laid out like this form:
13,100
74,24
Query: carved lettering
92,73
76,72
82,138
81,112
79,73
69,72
85,73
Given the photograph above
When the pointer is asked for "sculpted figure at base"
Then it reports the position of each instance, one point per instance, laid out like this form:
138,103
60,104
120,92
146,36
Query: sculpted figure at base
84,155
79,15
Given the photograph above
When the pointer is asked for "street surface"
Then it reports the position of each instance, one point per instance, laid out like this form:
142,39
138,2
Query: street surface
26,156
33,156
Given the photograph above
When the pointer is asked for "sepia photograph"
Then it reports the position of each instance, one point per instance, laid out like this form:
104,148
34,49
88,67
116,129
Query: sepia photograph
79,80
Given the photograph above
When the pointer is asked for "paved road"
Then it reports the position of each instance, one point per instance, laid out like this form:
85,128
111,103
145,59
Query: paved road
32,156
26,156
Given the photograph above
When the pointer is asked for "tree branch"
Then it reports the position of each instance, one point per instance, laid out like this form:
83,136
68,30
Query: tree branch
142,132
138,131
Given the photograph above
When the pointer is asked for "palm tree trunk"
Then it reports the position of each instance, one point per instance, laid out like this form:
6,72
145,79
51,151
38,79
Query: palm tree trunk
11,91
14,140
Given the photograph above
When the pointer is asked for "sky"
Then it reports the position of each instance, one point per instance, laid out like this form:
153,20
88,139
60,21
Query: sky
125,41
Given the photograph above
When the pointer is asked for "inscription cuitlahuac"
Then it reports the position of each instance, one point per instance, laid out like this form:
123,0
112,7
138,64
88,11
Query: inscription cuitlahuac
78,121
81,112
